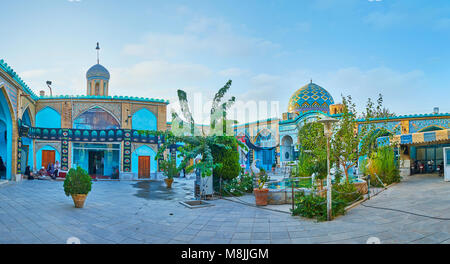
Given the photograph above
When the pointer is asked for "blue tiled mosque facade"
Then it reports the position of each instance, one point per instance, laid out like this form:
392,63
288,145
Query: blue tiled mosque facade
96,131
100,132
420,138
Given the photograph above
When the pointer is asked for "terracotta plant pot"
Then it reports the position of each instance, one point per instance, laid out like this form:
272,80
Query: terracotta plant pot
168,182
261,196
78,200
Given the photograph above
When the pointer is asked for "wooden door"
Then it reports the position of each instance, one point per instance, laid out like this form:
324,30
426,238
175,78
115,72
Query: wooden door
48,156
144,167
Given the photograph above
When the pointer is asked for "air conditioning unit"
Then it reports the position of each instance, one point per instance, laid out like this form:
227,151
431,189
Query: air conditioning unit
203,186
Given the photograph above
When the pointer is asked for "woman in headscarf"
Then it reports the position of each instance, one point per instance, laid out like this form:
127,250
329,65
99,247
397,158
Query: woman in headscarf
28,173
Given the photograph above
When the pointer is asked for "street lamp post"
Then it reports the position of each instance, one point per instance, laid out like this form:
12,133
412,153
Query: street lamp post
327,124
49,87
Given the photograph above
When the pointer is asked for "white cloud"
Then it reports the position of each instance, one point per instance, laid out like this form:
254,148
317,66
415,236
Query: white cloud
157,78
401,90
233,72
200,37
34,73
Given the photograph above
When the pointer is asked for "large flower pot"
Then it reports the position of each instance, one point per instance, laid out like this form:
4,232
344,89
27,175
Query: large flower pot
261,196
78,200
168,182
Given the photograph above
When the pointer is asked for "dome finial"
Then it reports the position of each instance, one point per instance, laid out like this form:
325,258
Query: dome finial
98,49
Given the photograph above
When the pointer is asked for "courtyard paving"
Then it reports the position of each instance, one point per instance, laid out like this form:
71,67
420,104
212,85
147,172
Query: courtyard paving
146,212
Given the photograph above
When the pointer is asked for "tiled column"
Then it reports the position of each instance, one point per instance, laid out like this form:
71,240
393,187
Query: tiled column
65,149
19,155
126,153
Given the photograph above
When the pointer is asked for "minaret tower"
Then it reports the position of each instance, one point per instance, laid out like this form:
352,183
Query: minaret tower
97,78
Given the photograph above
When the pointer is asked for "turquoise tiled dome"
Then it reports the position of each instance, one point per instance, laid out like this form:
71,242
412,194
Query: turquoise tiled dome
97,71
310,97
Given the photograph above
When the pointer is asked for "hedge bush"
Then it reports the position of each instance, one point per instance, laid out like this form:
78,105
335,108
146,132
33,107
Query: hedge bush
77,181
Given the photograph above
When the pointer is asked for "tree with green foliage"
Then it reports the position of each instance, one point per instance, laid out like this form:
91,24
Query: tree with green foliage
313,150
229,158
198,143
345,143
169,167
384,165
378,111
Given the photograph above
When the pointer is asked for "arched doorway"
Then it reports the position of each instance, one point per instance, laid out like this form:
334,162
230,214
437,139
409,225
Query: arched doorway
266,154
287,148
27,144
143,162
5,137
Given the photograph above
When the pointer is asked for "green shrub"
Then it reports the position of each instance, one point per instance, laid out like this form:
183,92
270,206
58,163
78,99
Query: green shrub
315,206
77,181
229,158
383,163
346,192
262,171
169,168
310,206
246,183
238,186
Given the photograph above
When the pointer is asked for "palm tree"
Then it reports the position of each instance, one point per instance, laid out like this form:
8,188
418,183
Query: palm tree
198,144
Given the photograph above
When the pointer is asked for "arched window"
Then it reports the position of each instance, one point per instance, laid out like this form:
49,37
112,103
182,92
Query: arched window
144,120
265,139
48,118
95,118
97,88
26,118
287,148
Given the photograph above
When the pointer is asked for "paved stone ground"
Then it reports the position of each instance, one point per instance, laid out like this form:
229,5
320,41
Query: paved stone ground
131,212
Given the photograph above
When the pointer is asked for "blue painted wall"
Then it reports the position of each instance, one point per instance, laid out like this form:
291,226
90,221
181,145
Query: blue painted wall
39,156
144,120
5,125
143,151
48,118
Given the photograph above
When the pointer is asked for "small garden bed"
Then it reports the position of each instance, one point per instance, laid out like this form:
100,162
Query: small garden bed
196,204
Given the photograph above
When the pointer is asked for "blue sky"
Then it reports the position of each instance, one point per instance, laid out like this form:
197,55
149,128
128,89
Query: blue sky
268,48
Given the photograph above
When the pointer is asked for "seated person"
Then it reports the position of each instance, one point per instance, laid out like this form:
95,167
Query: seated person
42,174
28,173
50,170
56,171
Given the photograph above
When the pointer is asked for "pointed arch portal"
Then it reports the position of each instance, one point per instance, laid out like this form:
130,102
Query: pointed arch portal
96,118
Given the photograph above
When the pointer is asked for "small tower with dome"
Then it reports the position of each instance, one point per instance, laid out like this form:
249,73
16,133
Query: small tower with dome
97,78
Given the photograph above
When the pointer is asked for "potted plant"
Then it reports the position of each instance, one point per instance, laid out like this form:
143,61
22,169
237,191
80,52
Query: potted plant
77,184
170,170
261,193
273,167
